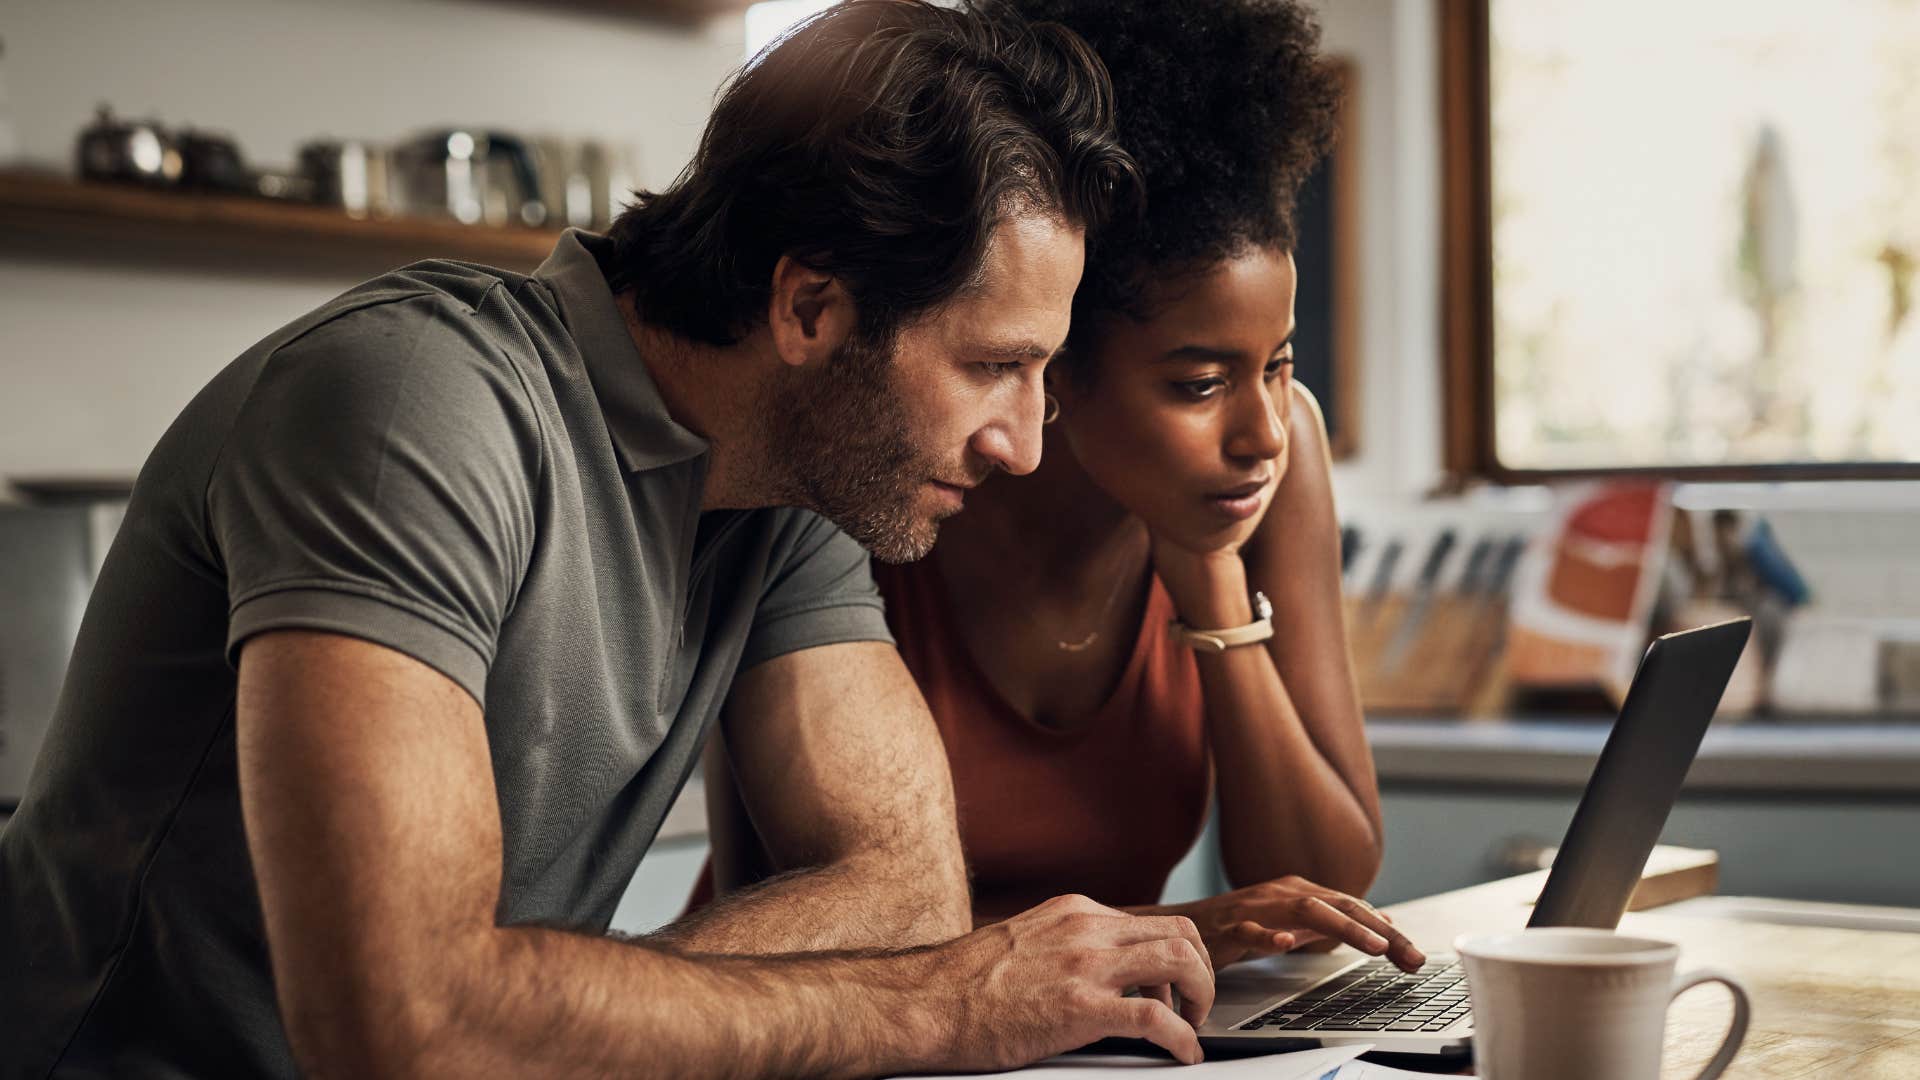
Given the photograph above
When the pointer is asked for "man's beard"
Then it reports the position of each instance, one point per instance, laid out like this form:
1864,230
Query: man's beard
845,440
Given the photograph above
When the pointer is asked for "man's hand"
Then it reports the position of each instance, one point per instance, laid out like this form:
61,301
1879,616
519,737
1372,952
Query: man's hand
1276,916
1052,979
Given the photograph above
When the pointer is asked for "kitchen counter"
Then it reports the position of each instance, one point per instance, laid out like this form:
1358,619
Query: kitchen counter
1807,809
1758,757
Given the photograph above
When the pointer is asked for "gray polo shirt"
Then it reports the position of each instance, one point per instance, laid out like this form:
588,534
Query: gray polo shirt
469,466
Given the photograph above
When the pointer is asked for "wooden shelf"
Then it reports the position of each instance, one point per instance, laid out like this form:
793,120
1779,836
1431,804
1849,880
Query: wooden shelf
104,218
675,12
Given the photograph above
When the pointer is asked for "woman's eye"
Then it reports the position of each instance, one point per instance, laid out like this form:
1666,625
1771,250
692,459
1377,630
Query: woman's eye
1201,389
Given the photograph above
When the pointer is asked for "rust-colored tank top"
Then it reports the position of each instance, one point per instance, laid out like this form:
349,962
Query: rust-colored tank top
1106,809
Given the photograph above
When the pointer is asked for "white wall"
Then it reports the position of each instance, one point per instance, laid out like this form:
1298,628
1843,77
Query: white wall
1394,50
96,356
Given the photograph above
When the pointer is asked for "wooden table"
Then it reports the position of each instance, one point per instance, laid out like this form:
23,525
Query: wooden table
1826,1002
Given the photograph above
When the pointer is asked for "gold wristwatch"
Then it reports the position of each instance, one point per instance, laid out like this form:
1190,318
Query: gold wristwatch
1219,641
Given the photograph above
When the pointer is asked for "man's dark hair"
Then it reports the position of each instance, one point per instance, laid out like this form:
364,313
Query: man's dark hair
881,142
1226,106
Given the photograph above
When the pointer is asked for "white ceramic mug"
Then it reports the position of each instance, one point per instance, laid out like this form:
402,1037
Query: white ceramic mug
1576,1004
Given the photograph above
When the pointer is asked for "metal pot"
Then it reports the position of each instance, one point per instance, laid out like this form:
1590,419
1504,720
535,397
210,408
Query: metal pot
140,152
476,177
585,183
211,162
351,174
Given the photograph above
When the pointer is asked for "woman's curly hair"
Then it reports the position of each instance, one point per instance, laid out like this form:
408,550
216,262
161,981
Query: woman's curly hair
1226,106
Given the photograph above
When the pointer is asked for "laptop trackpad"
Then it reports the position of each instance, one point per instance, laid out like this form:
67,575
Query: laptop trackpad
1263,980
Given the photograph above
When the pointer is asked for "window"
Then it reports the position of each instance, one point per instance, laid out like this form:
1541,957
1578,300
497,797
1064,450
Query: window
1683,236
769,19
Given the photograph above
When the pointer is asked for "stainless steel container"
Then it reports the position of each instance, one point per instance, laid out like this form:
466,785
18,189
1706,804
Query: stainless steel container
49,557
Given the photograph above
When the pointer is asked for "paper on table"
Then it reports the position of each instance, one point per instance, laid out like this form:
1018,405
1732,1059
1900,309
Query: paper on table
1299,1065
1367,1070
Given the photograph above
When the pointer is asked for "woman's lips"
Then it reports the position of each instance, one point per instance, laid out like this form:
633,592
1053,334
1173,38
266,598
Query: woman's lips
1251,487
1241,502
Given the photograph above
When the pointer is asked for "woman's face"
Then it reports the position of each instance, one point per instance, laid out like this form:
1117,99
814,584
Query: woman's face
1182,418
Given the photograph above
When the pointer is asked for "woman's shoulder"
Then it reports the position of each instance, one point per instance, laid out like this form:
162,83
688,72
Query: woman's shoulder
1306,420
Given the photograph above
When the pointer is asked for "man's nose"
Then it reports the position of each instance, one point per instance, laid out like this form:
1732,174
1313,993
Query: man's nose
1012,440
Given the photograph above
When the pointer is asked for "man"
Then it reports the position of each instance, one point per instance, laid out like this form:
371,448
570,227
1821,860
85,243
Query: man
422,609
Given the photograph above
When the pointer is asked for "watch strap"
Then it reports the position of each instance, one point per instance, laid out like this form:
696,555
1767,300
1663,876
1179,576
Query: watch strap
1219,641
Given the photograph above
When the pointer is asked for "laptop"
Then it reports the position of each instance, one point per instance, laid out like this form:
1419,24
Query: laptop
1299,1000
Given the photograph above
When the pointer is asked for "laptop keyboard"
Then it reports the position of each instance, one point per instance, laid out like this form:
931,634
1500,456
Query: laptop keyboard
1376,996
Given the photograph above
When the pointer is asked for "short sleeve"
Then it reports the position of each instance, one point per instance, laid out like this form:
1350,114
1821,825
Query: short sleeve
819,591
379,482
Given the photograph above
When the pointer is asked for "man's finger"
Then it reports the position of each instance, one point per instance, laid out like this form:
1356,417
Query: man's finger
1161,993
1144,1018
1192,933
1134,929
1173,962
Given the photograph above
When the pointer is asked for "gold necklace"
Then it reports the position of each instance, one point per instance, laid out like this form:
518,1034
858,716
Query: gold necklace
1087,642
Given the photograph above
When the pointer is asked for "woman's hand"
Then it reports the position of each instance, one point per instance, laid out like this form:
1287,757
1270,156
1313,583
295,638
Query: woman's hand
1209,589
1283,914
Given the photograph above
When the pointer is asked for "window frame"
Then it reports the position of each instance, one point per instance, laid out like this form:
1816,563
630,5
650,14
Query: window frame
1466,288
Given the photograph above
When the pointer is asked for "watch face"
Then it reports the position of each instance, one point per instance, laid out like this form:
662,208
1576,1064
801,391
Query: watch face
1262,607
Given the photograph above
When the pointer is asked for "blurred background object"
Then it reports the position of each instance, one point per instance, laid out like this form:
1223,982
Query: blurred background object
1582,604
49,557
473,177
352,174
135,152
9,139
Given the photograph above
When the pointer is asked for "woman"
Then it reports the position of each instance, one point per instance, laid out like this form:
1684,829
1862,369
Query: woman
1183,470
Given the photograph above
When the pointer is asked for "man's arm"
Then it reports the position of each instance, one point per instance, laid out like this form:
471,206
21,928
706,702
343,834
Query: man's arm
374,831
843,785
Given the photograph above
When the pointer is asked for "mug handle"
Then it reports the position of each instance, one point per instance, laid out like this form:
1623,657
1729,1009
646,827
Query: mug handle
1736,1032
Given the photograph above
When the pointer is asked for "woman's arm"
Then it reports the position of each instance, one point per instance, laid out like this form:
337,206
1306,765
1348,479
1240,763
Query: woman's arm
1297,791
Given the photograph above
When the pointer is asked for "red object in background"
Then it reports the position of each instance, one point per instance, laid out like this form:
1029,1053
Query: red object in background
1621,514
1602,552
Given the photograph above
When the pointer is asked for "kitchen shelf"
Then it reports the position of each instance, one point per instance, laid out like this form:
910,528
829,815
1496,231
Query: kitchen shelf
107,217
680,12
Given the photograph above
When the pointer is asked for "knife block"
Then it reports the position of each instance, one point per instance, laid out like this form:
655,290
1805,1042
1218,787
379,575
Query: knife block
1440,667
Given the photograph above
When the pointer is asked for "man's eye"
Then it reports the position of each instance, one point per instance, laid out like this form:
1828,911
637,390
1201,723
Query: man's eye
1011,367
1278,365
1201,389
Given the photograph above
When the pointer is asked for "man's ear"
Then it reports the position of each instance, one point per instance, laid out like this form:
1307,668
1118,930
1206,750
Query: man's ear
809,314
